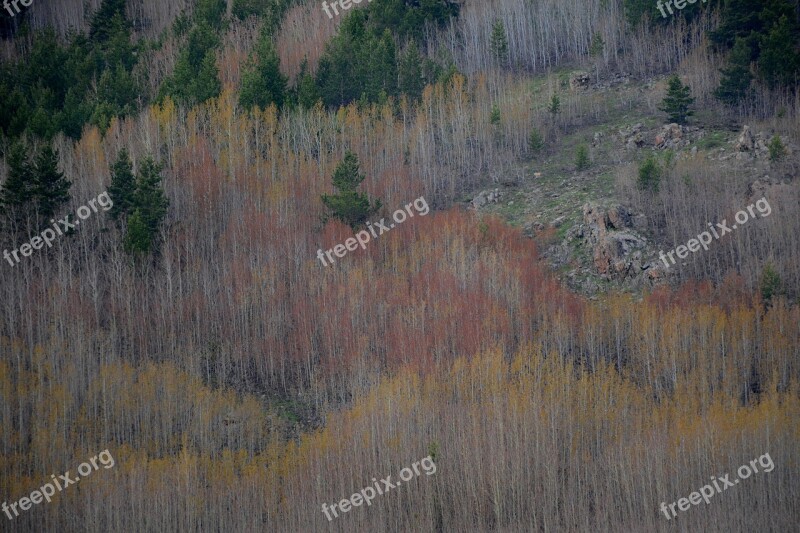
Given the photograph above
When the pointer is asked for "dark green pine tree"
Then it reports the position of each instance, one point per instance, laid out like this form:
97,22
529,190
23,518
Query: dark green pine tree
206,85
119,49
18,190
138,240
498,43
263,83
343,72
348,205
149,198
381,68
307,91
102,25
734,87
677,101
411,81
770,283
148,210
739,19
195,78
779,62
211,12
116,97
50,187
123,187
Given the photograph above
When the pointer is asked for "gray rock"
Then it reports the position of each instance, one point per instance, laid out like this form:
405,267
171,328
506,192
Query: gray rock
745,142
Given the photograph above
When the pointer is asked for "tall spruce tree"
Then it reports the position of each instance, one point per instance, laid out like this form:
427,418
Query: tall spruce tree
263,83
348,205
148,210
18,190
211,12
123,187
51,188
498,43
149,198
779,62
410,71
306,89
103,25
196,78
677,101
736,77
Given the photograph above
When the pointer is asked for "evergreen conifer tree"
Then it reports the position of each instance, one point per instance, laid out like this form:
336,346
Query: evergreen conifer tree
18,190
499,43
307,91
779,63
148,210
410,71
123,187
736,77
348,205
263,83
677,101
51,188
102,24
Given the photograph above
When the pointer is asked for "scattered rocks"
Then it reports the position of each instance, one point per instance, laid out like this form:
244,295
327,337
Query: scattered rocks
674,136
558,255
748,145
613,81
487,197
671,136
579,80
633,138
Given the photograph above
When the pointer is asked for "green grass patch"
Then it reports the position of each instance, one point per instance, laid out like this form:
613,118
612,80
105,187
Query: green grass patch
714,139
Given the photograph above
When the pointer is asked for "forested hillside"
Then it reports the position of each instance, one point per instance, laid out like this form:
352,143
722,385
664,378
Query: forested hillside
185,191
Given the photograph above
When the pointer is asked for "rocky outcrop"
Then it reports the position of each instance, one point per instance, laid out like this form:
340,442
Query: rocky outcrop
616,247
750,145
674,136
486,197
579,80
633,137
746,142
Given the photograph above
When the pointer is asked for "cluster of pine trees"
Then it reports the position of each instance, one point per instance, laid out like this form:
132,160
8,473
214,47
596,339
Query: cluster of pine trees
36,191
764,42
59,88
97,76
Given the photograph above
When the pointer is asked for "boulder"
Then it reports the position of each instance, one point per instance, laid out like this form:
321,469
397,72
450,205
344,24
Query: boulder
633,138
671,136
745,142
579,80
486,197
619,217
